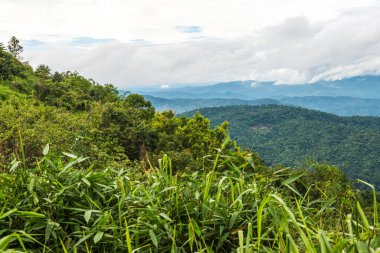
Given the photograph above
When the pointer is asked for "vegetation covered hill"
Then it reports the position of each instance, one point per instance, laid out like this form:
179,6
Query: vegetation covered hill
79,116
290,136
85,169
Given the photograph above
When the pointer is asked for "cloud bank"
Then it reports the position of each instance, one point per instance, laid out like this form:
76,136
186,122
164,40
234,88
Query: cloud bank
297,50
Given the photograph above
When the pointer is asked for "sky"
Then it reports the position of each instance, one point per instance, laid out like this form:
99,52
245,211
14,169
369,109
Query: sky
139,43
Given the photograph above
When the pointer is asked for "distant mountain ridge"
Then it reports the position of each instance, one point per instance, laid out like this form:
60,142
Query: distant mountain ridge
358,95
342,106
180,105
360,86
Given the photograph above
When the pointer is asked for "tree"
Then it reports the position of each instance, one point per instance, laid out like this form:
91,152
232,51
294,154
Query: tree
43,72
198,136
11,67
57,77
15,48
144,107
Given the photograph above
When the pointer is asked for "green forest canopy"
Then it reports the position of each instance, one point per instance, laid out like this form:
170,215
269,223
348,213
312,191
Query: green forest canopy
292,136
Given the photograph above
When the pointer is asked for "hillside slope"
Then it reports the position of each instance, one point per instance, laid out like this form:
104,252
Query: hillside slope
290,136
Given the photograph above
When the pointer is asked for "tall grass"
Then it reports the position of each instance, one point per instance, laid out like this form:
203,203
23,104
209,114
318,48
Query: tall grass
58,206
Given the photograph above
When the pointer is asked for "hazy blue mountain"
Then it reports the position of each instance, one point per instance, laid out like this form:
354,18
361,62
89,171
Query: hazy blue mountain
343,106
183,105
360,86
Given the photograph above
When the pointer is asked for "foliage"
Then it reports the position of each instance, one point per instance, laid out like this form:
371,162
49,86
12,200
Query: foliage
31,126
93,119
63,206
10,68
70,90
124,194
290,136
15,47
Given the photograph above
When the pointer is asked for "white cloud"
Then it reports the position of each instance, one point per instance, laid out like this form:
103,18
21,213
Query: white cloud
154,20
287,41
165,86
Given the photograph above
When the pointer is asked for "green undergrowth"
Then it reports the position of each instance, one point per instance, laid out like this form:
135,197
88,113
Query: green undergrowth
7,93
61,206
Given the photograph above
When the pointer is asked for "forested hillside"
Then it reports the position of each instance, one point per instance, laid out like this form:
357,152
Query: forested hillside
79,116
291,136
86,169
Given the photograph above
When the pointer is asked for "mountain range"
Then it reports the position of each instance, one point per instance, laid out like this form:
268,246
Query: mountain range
358,95
360,86
343,106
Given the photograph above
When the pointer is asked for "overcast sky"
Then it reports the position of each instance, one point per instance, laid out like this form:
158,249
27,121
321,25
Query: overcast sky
134,43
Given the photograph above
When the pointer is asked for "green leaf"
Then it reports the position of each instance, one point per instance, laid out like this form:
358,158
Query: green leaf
364,218
168,189
70,155
87,215
70,164
84,238
98,237
362,247
128,237
63,246
197,230
46,149
339,247
375,212
325,242
233,219
327,203
4,242
2,216
153,238
260,218
30,214
291,179
251,162
48,231
165,216
86,182
14,166
31,184
241,241
291,245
